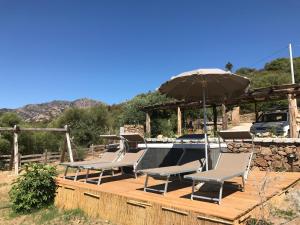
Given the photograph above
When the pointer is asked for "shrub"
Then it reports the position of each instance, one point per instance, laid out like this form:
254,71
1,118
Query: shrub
33,189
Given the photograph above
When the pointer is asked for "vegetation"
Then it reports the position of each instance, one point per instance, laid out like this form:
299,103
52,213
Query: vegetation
254,221
33,189
87,124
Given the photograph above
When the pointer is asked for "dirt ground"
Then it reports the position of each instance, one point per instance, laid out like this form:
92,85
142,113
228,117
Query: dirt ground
285,210
50,216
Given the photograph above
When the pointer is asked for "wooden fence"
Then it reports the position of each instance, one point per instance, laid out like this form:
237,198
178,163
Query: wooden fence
46,157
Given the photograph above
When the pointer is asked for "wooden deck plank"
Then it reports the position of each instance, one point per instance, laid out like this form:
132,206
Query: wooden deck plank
234,204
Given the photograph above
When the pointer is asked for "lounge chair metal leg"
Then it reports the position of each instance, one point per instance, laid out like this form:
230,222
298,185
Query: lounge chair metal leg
66,171
113,172
100,177
122,171
166,185
193,190
146,183
220,193
87,175
179,177
243,186
76,175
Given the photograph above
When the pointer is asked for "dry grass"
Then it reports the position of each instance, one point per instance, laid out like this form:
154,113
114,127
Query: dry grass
50,215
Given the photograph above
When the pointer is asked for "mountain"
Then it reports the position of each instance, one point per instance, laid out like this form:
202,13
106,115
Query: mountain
49,110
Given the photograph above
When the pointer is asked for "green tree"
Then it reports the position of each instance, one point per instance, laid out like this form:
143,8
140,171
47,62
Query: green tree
9,119
132,113
86,124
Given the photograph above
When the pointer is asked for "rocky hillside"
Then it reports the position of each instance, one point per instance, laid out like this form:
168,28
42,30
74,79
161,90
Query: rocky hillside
47,111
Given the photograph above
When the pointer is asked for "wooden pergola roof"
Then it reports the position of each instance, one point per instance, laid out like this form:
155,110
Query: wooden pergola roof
271,93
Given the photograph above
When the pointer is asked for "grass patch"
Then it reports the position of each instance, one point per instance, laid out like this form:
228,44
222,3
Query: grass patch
253,221
72,214
286,214
48,214
3,184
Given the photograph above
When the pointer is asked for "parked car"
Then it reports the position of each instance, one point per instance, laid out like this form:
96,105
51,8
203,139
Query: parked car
272,123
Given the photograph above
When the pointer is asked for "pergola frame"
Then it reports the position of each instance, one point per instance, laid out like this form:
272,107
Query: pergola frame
288,92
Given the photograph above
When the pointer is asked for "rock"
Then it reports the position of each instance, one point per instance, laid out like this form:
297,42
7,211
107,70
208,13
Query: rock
268,157
277,164
277,157
289,150
266,151
282,153
243,149
261,162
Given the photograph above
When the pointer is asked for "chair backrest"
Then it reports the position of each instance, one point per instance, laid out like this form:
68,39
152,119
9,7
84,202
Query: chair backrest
130,157
192,158
110,156
238,162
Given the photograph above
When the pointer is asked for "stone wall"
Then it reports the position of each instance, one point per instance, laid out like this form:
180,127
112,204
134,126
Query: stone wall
269,156
138,129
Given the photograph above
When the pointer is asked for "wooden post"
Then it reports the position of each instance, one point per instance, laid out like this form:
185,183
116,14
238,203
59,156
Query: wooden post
235,116
92,149
148,125
179,121
215,117
293,116
224,118
16,150
69,144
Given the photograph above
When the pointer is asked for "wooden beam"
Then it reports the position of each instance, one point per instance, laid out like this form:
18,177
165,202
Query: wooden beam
33,129
16,151
179,121
148,125
68,140
235,116
224,118
215,118
44,129
293,116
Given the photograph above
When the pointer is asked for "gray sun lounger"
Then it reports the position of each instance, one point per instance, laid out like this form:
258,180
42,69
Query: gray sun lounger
188,163
129,160
229,165
107,157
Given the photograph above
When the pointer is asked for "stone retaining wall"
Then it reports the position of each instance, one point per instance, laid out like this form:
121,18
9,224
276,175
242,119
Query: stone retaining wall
138,129
269,156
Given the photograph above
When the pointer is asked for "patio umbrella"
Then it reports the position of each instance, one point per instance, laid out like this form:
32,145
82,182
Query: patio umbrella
198,85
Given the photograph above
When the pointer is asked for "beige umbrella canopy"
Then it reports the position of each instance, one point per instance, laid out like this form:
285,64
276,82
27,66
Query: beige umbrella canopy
214,84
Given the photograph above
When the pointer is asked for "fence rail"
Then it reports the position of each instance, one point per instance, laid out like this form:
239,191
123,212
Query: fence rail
46,157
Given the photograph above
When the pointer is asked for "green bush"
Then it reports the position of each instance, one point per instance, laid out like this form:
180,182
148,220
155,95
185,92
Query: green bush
33,189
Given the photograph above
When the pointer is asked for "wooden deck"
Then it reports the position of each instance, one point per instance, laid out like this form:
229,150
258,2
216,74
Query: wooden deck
120,196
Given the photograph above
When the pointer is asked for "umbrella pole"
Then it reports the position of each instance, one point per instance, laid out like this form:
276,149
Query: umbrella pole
205,130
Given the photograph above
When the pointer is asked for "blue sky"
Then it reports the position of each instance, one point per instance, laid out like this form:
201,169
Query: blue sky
113,50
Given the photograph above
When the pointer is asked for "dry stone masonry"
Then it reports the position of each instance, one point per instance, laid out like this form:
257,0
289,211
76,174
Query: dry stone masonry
269,156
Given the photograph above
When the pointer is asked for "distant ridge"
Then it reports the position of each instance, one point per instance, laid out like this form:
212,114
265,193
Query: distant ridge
44,112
